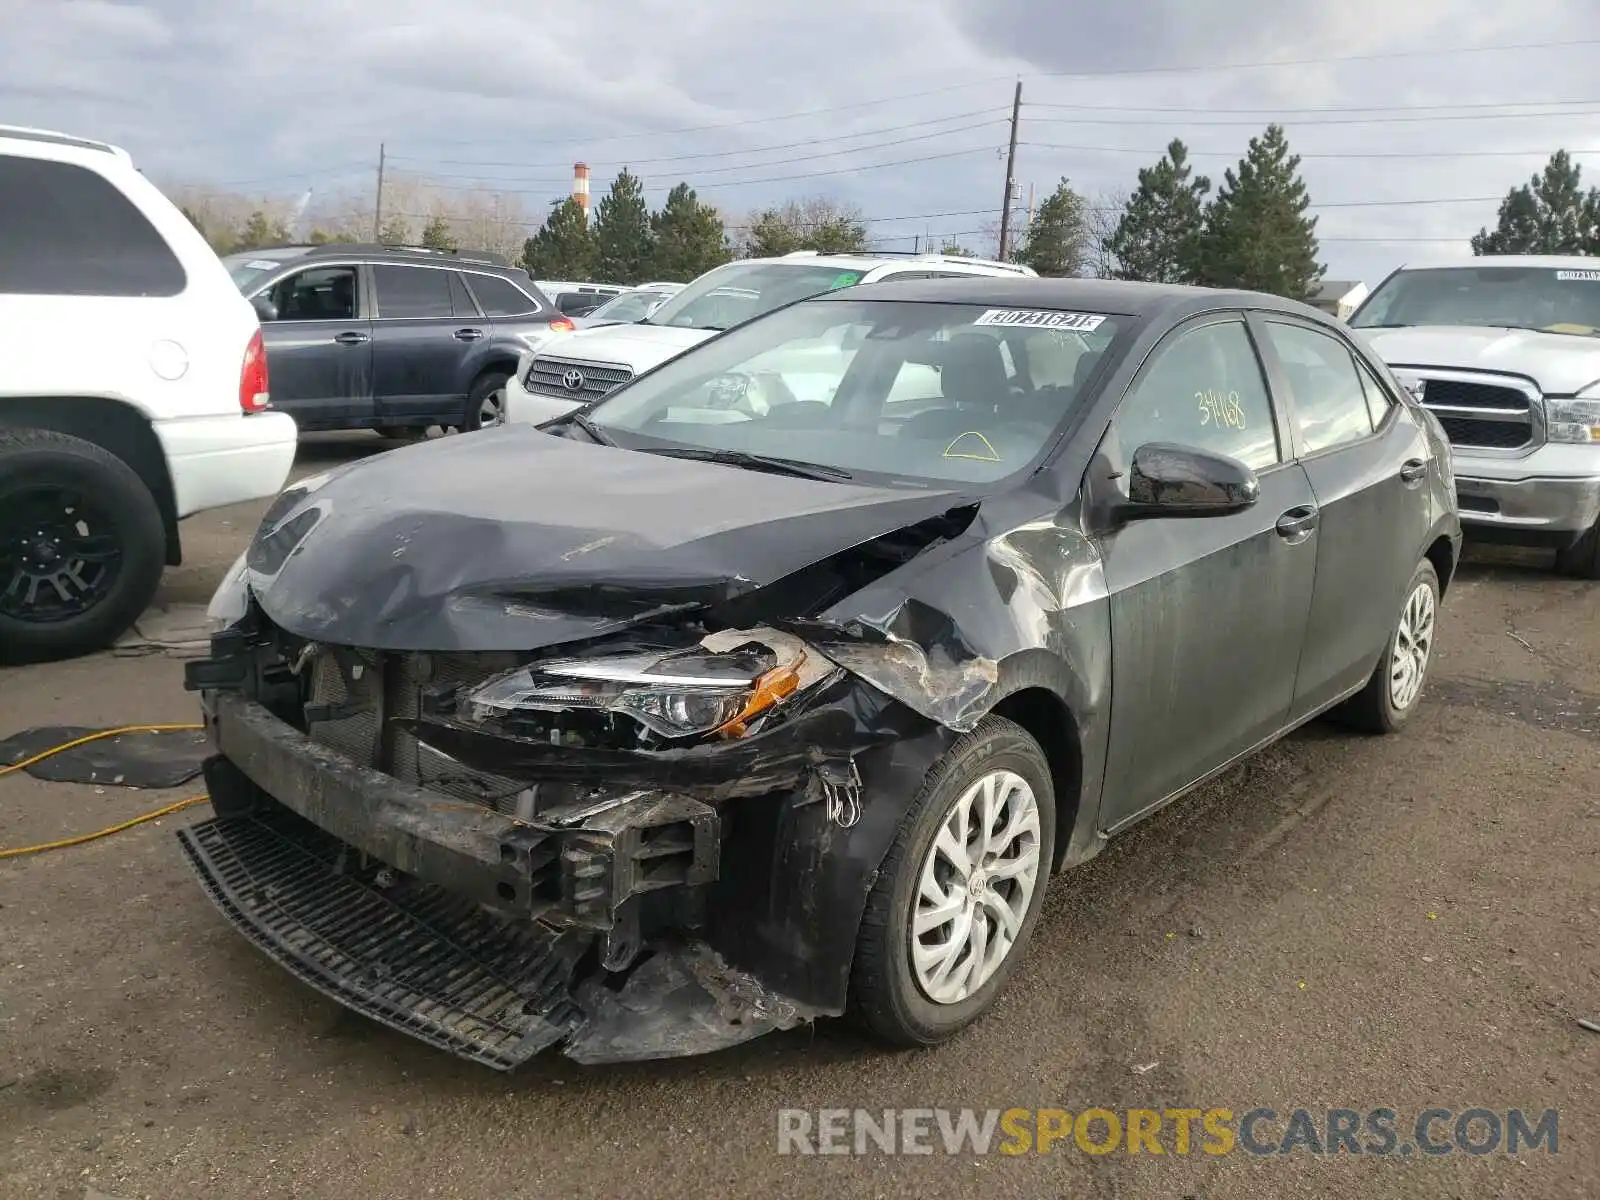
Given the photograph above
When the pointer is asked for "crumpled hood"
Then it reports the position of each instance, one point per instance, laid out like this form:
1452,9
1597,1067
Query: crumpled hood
1560,363
640,347
513,539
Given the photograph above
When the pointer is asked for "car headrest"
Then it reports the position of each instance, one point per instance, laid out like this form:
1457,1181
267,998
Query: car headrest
972,370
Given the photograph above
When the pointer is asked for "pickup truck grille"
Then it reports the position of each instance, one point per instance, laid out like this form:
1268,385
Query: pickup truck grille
552,376
1485,416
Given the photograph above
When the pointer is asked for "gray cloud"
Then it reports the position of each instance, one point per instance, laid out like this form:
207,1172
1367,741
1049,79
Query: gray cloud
284,93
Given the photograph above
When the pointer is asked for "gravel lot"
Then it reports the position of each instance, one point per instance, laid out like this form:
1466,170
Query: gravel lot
1409,922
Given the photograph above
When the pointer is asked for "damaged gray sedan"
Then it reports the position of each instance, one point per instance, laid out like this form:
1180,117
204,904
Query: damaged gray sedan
780,683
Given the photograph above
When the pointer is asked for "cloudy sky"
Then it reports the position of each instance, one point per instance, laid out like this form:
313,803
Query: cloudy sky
1411,116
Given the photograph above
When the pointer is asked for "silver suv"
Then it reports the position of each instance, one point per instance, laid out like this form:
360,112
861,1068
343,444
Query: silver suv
1505,352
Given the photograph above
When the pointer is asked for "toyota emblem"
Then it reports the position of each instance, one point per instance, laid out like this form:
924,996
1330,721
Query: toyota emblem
572,380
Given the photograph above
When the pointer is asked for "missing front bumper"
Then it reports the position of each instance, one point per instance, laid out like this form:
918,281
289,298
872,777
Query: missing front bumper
434,965
486,935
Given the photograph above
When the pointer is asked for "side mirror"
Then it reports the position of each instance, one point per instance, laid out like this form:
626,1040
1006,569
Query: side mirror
265,309
1179,481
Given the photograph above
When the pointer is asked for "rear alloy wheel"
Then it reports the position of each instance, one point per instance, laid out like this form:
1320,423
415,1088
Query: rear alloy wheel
486,403
1391,695
82,546
959,891
1581,560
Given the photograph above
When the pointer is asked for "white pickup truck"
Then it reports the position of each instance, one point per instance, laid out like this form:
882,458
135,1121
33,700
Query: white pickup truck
1505,351
579,368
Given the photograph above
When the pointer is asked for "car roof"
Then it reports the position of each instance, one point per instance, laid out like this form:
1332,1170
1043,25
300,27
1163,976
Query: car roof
1587,262
871,260
1113,297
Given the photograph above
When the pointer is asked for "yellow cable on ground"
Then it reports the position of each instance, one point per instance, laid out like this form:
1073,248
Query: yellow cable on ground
100,833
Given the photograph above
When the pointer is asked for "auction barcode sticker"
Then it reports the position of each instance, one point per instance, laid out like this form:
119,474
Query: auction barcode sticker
1041,319
1584,276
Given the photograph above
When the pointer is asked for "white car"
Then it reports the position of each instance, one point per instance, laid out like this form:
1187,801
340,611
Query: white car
635,304
578,368
133,392
1505,352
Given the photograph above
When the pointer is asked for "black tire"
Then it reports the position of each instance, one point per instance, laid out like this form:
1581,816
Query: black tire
485,385
1581,560
44,458
1373,710
884,996
403,433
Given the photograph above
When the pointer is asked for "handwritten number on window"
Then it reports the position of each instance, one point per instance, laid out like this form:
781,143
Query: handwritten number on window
1220,408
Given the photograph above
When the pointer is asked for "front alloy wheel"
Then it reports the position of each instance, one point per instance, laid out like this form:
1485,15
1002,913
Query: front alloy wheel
976,887
959,890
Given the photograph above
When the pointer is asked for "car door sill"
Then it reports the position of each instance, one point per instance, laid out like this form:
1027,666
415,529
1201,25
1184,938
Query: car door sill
1152,809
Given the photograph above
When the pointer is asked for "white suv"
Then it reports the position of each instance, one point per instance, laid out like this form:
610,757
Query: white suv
133,392
1505,352
578,368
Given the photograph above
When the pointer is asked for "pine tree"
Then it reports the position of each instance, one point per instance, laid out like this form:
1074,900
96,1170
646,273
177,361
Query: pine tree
622,235
689,238
259,231
436,234
564,247
1156,238
396,231
1257,234
1550,214
1056,241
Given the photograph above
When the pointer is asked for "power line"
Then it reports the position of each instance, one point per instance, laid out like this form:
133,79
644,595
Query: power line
1333,108
921,137
1327,60
995,115
1264,64
1351,154
1521,116
726,183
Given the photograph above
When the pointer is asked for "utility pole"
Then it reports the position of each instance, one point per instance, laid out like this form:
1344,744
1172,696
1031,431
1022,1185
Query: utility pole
377,209
1011,167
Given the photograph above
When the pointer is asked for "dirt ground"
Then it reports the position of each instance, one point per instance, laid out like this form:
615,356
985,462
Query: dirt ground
1409,922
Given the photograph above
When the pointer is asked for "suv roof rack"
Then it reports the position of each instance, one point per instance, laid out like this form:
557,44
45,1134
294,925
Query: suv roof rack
50,137
475,256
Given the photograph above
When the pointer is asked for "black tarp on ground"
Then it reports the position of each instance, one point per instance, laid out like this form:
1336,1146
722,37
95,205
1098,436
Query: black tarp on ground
160,759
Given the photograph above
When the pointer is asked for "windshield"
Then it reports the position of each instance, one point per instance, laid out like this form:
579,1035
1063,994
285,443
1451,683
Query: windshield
253,265
948,393
1554,300
630,306
731,295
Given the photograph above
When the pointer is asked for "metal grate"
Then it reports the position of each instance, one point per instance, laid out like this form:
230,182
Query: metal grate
1484,415
398,954
552,377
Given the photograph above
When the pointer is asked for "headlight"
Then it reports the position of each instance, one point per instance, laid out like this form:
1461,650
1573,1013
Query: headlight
715,688
231,600
1575,420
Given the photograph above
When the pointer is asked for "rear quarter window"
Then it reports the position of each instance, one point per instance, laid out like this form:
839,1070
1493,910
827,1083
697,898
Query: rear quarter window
68,231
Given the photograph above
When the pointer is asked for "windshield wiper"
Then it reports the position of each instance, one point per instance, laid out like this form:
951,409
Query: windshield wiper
755,462
589,427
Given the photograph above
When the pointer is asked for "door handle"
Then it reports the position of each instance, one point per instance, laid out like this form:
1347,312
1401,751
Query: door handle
351,338
467,335
1413,471
1296,524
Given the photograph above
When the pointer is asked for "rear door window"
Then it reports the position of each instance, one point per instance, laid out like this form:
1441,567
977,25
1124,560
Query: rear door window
412,292
1330,404
500,298
67,231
